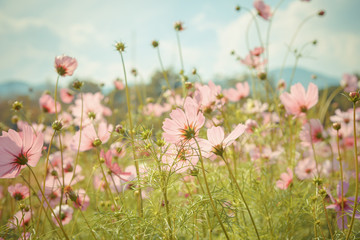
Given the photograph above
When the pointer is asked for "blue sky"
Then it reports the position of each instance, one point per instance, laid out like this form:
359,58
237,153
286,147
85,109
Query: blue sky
32,33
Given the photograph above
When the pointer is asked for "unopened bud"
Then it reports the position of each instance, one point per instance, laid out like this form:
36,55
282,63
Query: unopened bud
102,160
194,71
77,84
26,209
21,206
160,142
119,129
97,142
57,125
155,44
262,76
146,134
17,105
237,8
336,126
120,46
149,100
14,119
188,85
354,96
321,13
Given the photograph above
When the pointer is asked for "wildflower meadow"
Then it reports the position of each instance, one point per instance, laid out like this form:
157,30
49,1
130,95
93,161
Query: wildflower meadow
265,158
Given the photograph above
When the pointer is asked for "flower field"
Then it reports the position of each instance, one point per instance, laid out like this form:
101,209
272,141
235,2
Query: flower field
263,159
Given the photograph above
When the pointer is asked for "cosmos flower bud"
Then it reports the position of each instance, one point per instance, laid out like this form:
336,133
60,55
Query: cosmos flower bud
237,8
97,142
77,84
194,71
262,76
14,119
57,125
178,26
321,13
17,105
120,46
354,97
160,142
336,126
188,85
155,44
134,72
146,134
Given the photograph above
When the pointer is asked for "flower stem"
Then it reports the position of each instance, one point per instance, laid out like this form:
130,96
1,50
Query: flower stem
209,193
356,174
242,196
139,199
48,204
163,69
341,178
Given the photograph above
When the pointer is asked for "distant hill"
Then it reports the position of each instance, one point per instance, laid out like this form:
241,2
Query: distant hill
304,77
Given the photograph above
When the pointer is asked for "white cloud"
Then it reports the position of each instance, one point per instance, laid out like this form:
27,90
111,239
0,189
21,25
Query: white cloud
337,51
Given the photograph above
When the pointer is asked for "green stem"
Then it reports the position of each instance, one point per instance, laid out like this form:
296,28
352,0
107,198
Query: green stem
242,196
139,199
341,178
292,42
163,69
48,204
92,233
356,174
209,193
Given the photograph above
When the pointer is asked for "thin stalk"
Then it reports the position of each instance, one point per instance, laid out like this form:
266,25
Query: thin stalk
327,219
209,193
292,42
92,233
341,179
80,133
46,168
48,204
242,196
163,69
356,174
139,199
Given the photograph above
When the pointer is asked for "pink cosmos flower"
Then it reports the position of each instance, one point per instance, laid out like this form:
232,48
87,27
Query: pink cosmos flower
342,205
298,102
257,51
263,10
317,132
349,82
65,65
21,218
89,137
343,117
118,149
179,158
66,96
242,90
18,149
65,216
52,194
93,110
119,85
113,167
47,104
183,125
19,191
251,125
305,169
217,140
253,62
82,200
285,179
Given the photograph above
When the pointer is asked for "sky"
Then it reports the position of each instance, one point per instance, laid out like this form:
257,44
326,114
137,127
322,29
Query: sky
33,32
